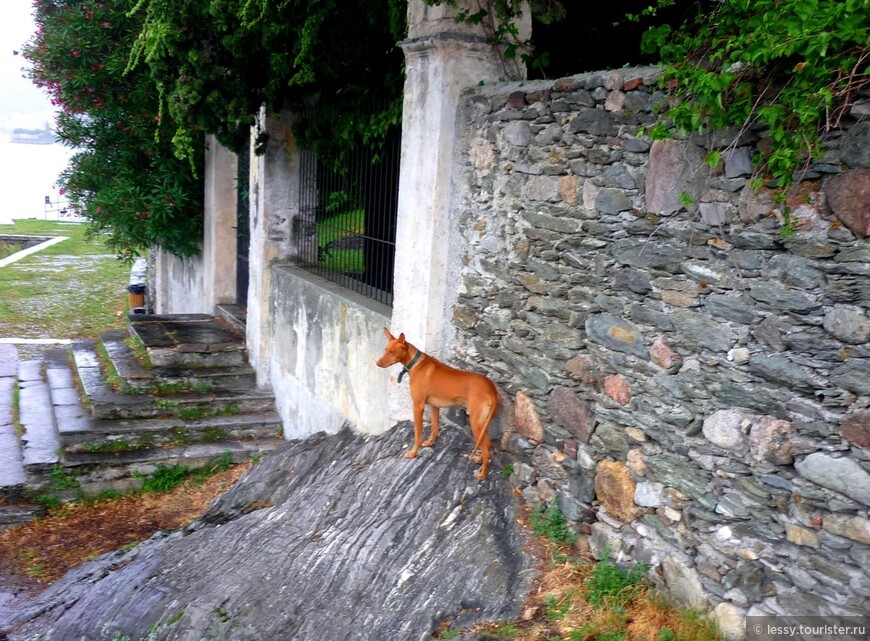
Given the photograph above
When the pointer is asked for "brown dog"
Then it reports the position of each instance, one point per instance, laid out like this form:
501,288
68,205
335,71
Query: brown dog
438,385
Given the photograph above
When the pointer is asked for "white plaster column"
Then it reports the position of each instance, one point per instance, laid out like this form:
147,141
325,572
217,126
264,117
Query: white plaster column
443,57
197,284
219,238
274,203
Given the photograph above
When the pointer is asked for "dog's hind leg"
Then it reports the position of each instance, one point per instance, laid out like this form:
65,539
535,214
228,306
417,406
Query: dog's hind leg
433,432
485,446
479,429
487,413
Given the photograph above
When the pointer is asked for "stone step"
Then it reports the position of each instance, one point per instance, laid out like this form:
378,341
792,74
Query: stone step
69,412
12,476
120,471
40,442
19,513
235,315
120,434
115,452
106,403
8,360
189,340
163,380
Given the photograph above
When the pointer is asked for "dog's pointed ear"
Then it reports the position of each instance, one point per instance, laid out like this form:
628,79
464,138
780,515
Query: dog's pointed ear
402,338
389,336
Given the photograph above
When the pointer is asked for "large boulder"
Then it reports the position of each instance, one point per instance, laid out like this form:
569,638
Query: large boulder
335,537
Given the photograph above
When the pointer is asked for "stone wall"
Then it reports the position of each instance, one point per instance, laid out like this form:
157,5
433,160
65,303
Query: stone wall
689,385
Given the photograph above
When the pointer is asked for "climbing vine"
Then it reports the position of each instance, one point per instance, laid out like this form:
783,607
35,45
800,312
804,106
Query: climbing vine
789,69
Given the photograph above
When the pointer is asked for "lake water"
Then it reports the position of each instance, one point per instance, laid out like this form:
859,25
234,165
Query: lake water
27,175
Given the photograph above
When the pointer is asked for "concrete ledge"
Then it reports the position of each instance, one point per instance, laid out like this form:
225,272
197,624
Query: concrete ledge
324,344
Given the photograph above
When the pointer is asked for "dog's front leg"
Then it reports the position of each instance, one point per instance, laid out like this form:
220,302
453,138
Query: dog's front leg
433,433
418,430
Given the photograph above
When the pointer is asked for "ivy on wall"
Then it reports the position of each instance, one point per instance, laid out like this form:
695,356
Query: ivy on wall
790,67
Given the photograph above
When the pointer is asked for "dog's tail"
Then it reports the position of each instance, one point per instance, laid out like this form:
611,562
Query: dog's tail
484,430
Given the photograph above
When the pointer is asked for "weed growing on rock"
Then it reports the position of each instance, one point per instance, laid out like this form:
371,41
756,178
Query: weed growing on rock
16,410
613,585
550,523
140,352
112,377
166,478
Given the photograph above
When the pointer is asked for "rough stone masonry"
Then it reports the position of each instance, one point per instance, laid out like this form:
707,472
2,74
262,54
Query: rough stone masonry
688,384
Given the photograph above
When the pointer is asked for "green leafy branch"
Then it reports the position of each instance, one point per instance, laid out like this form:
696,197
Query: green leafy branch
789,69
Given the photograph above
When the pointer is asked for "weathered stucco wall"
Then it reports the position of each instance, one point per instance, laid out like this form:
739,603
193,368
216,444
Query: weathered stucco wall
177,285
689,385
324,345
195,285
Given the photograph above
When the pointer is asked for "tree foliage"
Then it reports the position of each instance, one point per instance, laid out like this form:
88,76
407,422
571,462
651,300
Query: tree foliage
788,67
125,180
215,62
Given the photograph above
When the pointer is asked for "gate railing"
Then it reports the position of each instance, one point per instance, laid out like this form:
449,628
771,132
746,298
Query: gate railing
347,217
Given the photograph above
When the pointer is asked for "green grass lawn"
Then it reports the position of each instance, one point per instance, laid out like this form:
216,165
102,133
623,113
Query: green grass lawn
343,226
74,289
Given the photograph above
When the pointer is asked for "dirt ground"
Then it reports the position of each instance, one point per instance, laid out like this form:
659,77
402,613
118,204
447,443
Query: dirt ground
34,555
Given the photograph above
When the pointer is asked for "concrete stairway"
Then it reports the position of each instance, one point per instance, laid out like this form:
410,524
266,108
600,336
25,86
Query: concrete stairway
171,390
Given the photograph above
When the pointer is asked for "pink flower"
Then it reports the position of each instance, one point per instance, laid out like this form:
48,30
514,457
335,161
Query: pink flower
62,191
106,25
75,53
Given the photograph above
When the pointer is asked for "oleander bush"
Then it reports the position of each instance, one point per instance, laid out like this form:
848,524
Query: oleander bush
124,176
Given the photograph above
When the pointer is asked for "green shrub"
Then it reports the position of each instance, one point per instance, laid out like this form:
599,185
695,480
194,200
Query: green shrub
165,478
550,523
615,586
790,67
124,176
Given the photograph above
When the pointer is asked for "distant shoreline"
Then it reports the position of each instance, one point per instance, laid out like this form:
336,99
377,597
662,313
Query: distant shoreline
33,136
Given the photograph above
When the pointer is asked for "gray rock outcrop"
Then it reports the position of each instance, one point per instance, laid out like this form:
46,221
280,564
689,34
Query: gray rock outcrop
334,537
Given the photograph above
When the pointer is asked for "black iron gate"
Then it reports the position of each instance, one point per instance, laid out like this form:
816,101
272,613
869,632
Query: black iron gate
347,222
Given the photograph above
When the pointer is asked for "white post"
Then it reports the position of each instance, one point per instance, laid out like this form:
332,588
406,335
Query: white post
219,239
274,202
443,56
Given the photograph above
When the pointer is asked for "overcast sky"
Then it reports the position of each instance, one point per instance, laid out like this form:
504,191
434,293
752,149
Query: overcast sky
17,94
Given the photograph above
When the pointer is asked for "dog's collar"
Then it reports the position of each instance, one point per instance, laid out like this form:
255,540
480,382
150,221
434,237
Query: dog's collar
407,368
